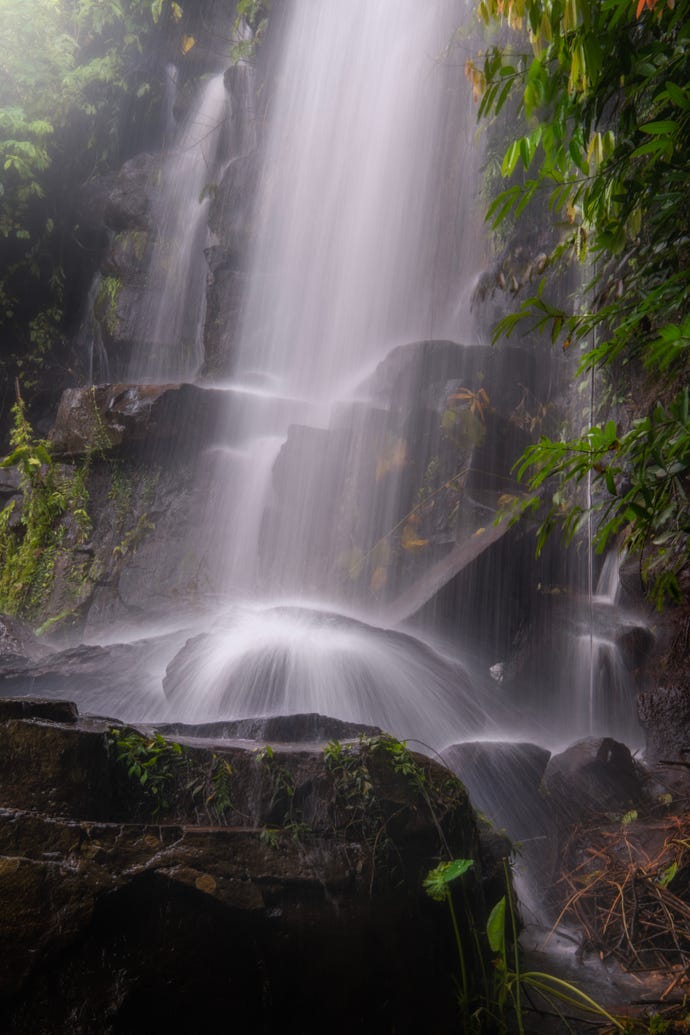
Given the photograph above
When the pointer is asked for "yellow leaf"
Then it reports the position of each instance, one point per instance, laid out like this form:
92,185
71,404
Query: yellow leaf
378,579
480,531
381,554
351,562
187,44
393,458
410,540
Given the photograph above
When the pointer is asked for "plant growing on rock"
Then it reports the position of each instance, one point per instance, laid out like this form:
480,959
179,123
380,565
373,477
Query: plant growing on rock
33,536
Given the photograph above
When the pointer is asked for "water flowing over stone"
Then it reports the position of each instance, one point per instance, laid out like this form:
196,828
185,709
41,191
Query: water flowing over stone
288,660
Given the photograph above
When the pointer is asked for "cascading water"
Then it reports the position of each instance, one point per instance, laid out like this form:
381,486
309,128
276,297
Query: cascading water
169,321
350,215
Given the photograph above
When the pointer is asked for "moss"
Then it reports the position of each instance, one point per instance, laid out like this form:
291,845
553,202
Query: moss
106,305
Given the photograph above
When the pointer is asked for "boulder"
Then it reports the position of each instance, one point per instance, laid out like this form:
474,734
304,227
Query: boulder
272,887
18,645
665,715
503,780
128,201
595,776
119,201
232,206
292,660
130,416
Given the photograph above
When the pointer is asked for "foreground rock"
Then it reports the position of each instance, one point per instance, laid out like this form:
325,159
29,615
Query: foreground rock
277,887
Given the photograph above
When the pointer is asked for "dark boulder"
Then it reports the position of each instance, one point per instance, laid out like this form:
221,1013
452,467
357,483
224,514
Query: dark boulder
665,715
289,900
127,416
503,780
594,776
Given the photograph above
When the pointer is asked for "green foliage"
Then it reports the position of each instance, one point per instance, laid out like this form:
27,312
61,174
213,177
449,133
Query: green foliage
107,302
602,93
500,1005
437,880
248,28
643,481
72,73
34,538
153,762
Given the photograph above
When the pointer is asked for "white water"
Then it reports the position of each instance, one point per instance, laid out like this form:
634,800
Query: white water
352,210
349,218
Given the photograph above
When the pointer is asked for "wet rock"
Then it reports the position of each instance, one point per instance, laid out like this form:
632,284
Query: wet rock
595,776
126,919
297,660
503,373
665,715
136,416
503,780
9,483
282,729
36,708
127,205
75,668
18,645
635,644
231,211
225,292
119,201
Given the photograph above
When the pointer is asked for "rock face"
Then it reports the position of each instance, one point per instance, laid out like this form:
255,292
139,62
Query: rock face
133,416
503,780
595,775
274,887
665,715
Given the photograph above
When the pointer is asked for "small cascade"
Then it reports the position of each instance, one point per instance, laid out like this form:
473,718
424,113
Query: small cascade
602,658
168,326
89,339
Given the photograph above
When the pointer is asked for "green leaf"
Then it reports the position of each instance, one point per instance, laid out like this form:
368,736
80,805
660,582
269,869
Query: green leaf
437,880
665,127
511,158
496,926
667,875
678,96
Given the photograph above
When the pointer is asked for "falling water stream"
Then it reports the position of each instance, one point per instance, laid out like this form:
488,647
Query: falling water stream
343,267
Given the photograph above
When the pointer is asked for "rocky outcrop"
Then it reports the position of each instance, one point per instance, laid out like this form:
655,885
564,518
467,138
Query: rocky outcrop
665,715
133,417
504,783
594,776
278,886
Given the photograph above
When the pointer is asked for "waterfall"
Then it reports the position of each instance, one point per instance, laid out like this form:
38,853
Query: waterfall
358,190
349,218
315,247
